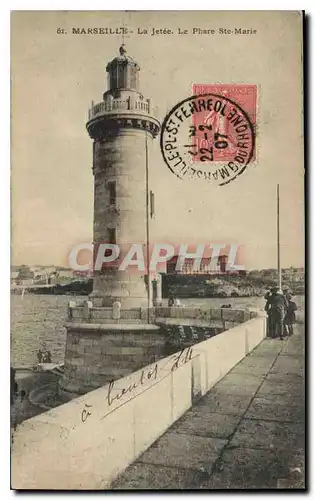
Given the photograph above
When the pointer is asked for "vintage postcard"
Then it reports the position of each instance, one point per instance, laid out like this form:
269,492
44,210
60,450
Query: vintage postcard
157,260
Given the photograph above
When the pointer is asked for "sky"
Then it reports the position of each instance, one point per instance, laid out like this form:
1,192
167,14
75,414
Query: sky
54,78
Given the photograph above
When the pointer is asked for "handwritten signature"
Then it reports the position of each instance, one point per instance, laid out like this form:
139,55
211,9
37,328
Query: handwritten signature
85,413
180,359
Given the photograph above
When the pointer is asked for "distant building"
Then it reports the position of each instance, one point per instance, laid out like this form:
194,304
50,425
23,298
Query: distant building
66,273
204,268
14,275
82,274
49,269
25,275
293,274
26,282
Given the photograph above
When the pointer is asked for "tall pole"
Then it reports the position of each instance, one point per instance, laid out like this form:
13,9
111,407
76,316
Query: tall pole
278,237
147,220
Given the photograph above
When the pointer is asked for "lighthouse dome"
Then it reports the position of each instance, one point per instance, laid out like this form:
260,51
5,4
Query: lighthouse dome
123,71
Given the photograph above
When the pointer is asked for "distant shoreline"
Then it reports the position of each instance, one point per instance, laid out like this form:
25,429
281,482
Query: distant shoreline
182,286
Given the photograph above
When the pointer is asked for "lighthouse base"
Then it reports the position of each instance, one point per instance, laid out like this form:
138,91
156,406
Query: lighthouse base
99,353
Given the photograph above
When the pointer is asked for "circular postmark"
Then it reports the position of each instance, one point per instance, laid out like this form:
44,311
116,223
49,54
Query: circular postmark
207,137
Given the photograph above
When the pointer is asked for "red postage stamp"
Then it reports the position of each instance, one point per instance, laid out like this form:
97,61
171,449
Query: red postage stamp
213,131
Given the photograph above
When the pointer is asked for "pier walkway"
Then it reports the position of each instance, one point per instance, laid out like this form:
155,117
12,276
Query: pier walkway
248,432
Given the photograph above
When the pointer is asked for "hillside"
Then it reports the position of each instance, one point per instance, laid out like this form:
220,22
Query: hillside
221,286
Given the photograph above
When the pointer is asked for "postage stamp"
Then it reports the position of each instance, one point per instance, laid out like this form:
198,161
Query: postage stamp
211,135
243,95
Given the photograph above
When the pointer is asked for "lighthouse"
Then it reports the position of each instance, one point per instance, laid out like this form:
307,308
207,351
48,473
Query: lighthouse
112,334
122,128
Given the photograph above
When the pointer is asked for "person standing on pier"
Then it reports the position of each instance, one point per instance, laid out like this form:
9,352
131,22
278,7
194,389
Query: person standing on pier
289,319
171,301
39,356
276,308
18,411
14,386
267,296
177,302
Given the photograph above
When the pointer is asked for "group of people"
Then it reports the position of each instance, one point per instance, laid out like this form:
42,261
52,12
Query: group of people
43,356
173,301
281,313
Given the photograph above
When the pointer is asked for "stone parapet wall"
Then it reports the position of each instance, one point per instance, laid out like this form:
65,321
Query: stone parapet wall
233,315
87,442
100,348
98,314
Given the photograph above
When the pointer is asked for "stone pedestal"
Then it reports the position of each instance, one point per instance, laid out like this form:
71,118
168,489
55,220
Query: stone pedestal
99,353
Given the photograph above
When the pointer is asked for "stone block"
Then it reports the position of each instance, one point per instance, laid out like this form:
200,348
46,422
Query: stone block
79,361
247,316
281,388
184,452
151,316
153,414
288,364
269,435
226,404
87,350
161,311
182,387
87,341
140,476
131,313
233,315
246,468
71,352
111,338
102,313
109,348
264,408
200,422
69,373
143,314
228,325
211,369
80,350
216,313
255,331
77,313
132,350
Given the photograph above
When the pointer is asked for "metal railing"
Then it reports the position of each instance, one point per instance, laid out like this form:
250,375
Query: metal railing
109,106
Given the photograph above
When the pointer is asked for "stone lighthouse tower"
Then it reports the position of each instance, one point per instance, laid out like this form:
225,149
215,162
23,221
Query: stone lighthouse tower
122,129
104,343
